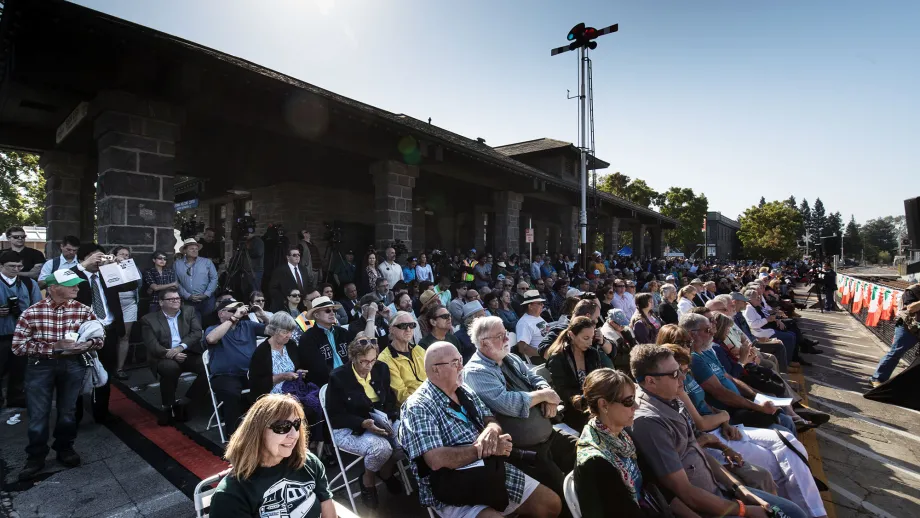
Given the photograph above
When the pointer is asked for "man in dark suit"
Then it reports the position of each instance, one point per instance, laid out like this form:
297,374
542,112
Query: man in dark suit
106,305
286,278
350,302
173,341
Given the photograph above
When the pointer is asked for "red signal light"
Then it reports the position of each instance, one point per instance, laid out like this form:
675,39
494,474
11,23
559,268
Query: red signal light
590,33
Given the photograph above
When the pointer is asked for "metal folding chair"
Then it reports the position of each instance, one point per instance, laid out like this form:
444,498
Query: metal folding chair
204,491
343,474
215,417
571,497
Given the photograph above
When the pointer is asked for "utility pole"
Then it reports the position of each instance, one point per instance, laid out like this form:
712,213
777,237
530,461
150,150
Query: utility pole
581,39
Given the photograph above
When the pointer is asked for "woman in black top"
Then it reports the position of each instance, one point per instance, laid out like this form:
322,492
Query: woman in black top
667,310
570,359
272,468
363,414
275,360
608,476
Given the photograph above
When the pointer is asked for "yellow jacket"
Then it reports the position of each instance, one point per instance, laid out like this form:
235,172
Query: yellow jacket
405,375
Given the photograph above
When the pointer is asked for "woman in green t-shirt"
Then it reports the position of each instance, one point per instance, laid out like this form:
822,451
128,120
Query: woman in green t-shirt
272,469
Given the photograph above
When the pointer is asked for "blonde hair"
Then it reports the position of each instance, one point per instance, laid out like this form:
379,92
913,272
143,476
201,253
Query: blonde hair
245,449
687,289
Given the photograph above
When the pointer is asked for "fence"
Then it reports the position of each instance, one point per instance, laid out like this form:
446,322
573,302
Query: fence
871,299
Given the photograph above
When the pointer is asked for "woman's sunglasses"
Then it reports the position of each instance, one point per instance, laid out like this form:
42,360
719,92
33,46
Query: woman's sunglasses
283,427
364,341
628,402
405,325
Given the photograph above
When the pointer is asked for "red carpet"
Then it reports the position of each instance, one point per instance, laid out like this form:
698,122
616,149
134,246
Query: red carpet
191,455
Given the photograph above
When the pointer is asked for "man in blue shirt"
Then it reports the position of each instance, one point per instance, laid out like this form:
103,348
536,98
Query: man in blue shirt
24,291
197,279
230,345
722,390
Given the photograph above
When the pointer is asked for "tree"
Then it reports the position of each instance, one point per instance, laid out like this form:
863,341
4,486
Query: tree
22,190
791,202
689,209
880,234
852,241
763,201
636,191
769,231
805,216
833,224
818,220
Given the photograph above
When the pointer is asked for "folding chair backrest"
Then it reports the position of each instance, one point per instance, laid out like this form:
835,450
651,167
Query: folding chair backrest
322,403
571,497
204,491
205,359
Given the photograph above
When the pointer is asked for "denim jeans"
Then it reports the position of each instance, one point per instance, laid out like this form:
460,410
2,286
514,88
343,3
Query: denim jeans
788,507
202,308
790,343
43,377
903,341
829,303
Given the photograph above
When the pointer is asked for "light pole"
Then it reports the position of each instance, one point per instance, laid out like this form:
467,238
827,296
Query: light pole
581,38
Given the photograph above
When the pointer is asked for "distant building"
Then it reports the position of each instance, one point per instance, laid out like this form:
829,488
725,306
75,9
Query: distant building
722,236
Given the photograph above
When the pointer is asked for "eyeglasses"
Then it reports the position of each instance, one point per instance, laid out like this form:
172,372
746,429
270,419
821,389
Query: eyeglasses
188,271
283,427
674,375
171,299
628,402
445,316
159,258
20,236
457,364
295,255
503,337
405,325
324,311
13,266
364,341
257,301
367,363
294,295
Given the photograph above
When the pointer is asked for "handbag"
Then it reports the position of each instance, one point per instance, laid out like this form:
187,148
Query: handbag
483,484
95,375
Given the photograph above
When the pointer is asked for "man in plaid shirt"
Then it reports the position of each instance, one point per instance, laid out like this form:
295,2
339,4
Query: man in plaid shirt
45,333
437,430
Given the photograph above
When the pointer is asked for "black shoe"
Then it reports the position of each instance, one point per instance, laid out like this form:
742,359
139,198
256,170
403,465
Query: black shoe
33,467
369,497
811,350
809,342
394,485
68,458
815,416
164,416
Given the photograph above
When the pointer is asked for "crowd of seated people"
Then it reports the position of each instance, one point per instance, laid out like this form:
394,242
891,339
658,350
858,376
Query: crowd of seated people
428,372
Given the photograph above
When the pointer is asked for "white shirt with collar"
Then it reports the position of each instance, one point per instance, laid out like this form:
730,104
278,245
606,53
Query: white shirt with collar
392,272
294,272
107,321
9,280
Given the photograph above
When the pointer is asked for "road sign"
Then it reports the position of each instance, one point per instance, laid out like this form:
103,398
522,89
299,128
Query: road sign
528,235
188,204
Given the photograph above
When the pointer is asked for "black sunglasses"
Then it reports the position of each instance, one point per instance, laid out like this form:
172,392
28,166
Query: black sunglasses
628,402
364,341
445,316
405,325
283,427
675,374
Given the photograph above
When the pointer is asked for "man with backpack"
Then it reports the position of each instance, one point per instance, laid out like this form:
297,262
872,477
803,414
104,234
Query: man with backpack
67,260
17,293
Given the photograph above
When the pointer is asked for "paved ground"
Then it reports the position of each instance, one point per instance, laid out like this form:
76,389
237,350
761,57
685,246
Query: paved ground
869,452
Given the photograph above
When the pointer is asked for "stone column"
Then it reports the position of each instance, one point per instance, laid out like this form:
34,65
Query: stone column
507,222
136,142
393,184
63,178
657,244
611,235
571,232
639,241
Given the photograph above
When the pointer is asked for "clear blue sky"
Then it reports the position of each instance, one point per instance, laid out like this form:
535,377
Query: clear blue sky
817,98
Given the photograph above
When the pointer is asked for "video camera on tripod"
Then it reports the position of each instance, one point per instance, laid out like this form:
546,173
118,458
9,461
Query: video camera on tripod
245,225
333,233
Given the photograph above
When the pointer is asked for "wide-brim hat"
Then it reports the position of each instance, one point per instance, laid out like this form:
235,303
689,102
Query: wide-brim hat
189,241
532,296
322,303
63,278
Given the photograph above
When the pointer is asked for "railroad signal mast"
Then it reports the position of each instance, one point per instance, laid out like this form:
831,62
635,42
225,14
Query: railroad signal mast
582,39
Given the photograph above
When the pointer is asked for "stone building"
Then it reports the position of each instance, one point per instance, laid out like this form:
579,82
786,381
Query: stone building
129,120
722,236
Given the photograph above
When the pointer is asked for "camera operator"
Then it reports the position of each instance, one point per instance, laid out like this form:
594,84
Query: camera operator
830,286
523,404
310,258
17,293
231,345
445,427
211,248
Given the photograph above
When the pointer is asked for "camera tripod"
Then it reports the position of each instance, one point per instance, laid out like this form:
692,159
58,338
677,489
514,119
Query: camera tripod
816,289
239,269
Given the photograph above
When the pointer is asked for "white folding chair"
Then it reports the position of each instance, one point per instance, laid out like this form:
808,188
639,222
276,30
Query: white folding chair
571,497
215,417
204,491
343,473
